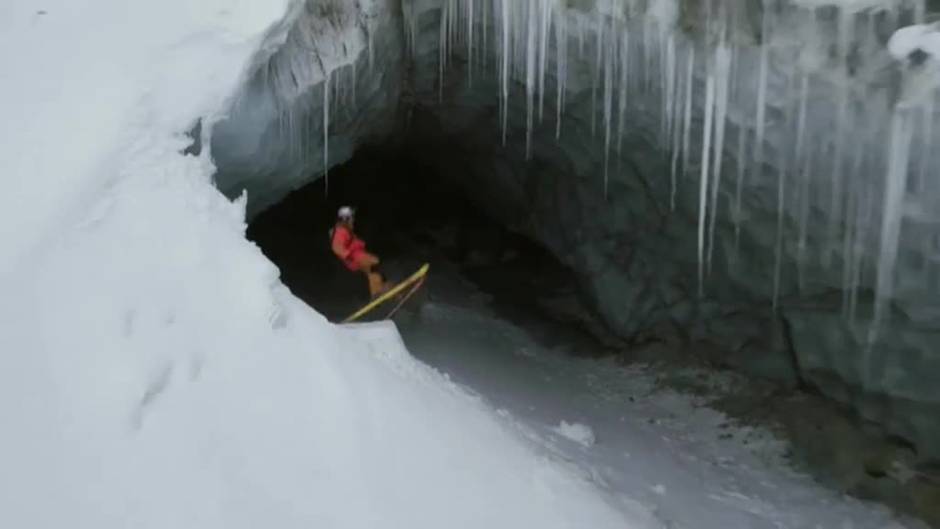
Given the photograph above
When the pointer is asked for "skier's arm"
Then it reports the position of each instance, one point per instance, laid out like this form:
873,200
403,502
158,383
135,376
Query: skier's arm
340,244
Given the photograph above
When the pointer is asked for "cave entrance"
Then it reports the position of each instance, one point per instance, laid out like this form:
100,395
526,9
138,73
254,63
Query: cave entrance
408,214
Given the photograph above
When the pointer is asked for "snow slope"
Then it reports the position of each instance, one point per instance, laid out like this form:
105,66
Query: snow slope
153,371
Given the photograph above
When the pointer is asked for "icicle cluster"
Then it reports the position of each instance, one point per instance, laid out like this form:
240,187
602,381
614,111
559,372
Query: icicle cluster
850,164
306,80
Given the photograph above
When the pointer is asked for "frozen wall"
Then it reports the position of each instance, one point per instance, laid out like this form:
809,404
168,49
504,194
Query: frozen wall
154,372
754,177
323,76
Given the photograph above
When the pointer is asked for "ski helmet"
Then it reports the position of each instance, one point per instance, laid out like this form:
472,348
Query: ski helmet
345,212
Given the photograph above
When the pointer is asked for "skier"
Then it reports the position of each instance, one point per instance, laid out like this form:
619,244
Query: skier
351,250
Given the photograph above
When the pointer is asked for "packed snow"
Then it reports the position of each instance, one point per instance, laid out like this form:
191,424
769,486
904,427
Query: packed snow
154,372
690,465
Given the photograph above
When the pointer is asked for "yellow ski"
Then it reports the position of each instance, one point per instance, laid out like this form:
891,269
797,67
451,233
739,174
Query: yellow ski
396,290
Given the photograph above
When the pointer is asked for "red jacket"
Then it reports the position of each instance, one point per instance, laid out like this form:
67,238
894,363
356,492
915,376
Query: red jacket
347,246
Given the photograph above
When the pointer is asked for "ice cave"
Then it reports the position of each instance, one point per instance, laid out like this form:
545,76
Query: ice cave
685,263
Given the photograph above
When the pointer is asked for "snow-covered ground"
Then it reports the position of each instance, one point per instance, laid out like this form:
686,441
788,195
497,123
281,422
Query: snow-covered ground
646,444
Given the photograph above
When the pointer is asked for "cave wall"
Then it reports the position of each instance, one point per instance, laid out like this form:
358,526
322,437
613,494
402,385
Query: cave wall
614,189
340,69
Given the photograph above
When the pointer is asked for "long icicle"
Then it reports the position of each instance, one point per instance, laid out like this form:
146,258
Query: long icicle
801,119
545,28
599,46
623,85
470,21
608,109
530,77
892,212
687,125
670,73
703,184
561,66
676,143
442,51
504,79
722,71
486,25
761,120
846,29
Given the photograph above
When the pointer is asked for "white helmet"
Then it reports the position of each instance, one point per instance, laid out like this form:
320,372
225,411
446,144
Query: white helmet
345,212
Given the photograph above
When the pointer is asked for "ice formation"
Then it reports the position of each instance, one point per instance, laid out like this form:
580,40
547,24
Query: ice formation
642,59
154,372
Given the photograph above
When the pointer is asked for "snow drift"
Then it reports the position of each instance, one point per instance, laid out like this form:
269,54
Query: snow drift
154,373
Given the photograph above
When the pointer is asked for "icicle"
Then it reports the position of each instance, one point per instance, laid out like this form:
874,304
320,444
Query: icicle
801,170
486,23
453,28
622,100
597,70
663,102
703,185
687,125
676,142
545,27
670,72
608,109
561,64
722,72
647,60
504,93
801,118
892,211
760,121
414,34
470,20
442,51
326,133
530,77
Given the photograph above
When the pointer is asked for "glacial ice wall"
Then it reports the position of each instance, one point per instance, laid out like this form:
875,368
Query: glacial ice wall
803,97
754,176
312,99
